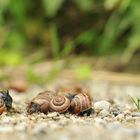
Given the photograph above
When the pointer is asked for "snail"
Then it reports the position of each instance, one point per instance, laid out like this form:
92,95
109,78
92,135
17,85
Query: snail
76,101
81,104
59,104
7,99
41,102
2,106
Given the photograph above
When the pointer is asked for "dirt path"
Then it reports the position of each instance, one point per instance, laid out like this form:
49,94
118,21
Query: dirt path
119,121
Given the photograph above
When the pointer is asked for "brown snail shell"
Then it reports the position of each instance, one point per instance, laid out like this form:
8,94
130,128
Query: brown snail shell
41,102
59,104
2,106
80,103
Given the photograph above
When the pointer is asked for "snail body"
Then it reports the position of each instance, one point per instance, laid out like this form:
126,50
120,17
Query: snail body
81,103
6,99
59,104
41,102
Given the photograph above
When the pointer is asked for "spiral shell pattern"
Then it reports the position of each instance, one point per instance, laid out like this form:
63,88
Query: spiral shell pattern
59,104
2,106
80,103
41,102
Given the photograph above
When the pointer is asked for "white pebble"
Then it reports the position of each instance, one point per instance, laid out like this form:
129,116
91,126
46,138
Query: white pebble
136,114
8,120
120,117
102,105
104,113
53,114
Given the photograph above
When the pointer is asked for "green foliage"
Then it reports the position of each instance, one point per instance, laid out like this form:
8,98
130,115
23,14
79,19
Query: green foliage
15,41
60,27
136,102
85,5
52,7
18,10
83,72
10,58
54,41
69,46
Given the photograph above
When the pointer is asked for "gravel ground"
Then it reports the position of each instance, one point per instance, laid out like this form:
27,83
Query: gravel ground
115,116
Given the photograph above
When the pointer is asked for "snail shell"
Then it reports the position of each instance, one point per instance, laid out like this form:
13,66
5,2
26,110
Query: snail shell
2,106
41,102
59,104
80,103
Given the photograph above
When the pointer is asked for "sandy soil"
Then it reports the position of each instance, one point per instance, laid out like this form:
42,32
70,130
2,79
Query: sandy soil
121,121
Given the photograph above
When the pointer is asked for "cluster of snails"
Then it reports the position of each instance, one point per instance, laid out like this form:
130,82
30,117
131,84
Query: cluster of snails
74,101
5,101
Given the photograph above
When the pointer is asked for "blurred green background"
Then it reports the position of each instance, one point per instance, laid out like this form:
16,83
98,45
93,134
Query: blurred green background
55,29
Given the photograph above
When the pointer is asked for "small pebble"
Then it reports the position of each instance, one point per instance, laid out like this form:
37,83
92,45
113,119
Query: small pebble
130,118
127,112
53,114
8,120
136,114
120,117
102,105
104,113
108,119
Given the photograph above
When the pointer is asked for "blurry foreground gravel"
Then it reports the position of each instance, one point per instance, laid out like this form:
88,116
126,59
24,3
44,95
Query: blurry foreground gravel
115,116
